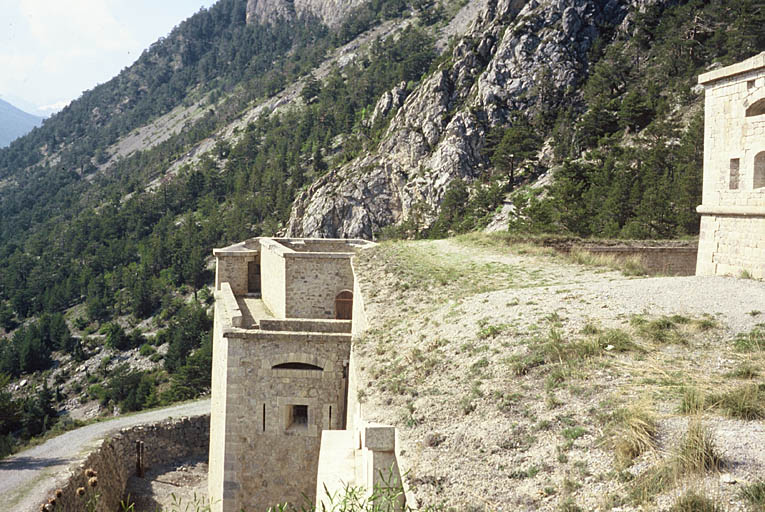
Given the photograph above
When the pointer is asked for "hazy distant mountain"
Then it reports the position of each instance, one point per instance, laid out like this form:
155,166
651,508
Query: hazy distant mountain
15,122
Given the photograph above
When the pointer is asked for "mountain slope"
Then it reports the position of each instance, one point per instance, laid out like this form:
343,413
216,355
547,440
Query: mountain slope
14,123
530,62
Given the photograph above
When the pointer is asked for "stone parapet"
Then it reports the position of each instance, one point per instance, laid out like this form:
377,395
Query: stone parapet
233,314
115,460
363,458
303,325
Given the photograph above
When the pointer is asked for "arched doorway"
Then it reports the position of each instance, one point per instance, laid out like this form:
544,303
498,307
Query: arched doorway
344,305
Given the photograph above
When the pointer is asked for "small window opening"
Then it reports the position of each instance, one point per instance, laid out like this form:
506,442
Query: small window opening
264,417
297,366
298,416
749,85
734,174
759,170
756,109
330,417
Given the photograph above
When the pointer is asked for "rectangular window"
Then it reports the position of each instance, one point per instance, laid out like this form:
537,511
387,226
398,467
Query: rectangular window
734,174
298,416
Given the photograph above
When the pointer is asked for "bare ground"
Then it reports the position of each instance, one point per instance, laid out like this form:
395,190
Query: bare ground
179,486
452,324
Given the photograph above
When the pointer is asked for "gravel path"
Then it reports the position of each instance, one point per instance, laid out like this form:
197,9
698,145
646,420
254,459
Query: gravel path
27,478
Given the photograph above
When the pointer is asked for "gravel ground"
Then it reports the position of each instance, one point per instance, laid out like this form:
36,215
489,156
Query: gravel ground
177,487
475,434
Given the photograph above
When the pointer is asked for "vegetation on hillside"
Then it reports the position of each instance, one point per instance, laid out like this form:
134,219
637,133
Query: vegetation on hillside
95,251
627,158
102,254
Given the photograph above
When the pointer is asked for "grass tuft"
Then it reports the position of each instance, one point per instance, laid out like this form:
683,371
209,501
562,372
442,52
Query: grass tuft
634,433
752,341
693,401
754,494
694,502
744,402
698,453
695,454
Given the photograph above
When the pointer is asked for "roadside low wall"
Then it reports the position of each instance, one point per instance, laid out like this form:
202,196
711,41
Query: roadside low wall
669,261
115,460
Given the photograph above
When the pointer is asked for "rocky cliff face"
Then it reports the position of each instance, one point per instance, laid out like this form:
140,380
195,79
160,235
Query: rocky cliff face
517,54
332,12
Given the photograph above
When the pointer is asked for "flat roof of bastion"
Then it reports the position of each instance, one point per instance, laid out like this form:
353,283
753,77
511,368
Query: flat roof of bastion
296,247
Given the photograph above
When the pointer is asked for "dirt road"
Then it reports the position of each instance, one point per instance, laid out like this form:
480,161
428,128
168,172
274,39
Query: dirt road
28,477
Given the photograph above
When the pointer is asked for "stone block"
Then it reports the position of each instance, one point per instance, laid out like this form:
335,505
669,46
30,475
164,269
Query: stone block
379,438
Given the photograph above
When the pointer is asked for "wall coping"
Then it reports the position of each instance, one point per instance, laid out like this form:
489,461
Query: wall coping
625,248
231,306
258,335
750,64
748,211
239,249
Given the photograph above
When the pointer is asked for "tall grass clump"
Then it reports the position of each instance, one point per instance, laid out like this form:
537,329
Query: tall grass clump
692,501
696,454
745,402
634,433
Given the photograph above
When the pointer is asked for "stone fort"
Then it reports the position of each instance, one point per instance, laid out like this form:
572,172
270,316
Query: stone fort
732,236
285,423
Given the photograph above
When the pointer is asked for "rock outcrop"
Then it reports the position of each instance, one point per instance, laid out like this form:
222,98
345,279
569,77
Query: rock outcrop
331,12
517,54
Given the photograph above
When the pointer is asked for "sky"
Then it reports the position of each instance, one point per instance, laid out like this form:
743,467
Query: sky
51,51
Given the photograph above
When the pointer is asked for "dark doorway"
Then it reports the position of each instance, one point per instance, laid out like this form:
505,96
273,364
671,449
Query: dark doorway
253,277
344,305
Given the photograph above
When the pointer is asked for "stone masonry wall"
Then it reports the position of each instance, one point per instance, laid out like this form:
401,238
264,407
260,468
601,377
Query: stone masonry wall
728,134
115,460
732,238
303,325
313,281
728,245
219,411
232,270
272,277
267,460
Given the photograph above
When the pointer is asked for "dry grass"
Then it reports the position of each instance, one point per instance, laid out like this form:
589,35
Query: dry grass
692,501
633,433
754,495
522,383
696,454
629,266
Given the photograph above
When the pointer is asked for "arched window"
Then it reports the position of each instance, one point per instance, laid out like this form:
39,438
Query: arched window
759,170
756,109
344,305
297,366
